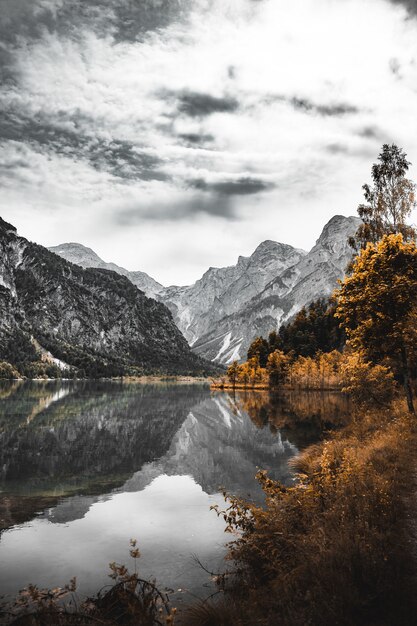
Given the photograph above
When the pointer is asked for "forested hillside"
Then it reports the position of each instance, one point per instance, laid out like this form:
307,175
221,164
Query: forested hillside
58,317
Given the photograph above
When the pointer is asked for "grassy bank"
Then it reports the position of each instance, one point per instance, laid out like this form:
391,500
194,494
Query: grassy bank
338,547
224,385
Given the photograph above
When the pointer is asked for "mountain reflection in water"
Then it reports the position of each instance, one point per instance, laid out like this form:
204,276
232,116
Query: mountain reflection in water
84,466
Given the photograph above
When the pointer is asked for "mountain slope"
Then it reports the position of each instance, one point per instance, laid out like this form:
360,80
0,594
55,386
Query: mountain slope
93,319
315,275
85,257
225,291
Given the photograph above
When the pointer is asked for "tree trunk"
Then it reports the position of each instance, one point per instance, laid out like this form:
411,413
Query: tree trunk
407,385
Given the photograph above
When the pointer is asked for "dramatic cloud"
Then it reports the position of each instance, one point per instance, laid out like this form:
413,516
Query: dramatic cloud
411,5
373,132
202,104
338,109
174,134
119,157
126,20
189,207
240,187
196,138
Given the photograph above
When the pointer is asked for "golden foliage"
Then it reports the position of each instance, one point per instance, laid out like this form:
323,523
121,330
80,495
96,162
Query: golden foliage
368,385
376,304
319,372
329,550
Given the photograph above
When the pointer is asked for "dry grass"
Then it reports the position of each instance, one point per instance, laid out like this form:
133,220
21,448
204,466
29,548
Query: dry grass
336,548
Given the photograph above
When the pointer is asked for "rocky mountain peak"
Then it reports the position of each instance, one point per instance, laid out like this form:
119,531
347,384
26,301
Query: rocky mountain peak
296,278
5,227
275,250
77,253
338,229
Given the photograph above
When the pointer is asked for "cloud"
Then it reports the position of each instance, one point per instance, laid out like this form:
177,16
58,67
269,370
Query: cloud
374,133
240,187
330,110
197,104
175,117
121,158
133,19
337,148
125,20
352,150
411,5
185,209
196,138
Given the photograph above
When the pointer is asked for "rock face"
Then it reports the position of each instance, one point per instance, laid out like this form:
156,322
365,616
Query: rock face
85,317
221,313
81,255
224,292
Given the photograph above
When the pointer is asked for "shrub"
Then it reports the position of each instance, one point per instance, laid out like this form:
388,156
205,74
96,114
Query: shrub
333,549
7,371
368,385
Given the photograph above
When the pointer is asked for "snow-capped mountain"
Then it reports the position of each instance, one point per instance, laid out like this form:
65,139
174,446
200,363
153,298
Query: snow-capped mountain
81,255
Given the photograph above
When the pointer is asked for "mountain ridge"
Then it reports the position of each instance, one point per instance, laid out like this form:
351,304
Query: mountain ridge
86,257
94,320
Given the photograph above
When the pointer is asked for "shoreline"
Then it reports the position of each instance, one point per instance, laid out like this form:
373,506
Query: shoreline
229,387
131,379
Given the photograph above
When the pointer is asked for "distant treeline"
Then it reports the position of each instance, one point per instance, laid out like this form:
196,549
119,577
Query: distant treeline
306,352
22,357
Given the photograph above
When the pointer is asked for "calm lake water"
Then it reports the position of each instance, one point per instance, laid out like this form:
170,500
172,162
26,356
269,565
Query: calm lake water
85,466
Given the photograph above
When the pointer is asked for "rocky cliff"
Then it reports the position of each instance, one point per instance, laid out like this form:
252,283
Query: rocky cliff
93,319
314,275
222,292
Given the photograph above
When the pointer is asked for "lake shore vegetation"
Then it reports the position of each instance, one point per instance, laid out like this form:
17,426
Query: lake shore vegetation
338,547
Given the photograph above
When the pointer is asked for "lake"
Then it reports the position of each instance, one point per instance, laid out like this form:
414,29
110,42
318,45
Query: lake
87,465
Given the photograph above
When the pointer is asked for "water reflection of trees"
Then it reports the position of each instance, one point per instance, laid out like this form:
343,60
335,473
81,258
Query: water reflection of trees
67,437
62,438
301,416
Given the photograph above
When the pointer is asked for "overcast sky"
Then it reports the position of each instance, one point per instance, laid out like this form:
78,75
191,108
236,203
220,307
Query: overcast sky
174,135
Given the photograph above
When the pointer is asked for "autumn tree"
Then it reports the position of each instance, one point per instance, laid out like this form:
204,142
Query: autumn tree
377,304
259,348
367,384
233,372
278,368
388,201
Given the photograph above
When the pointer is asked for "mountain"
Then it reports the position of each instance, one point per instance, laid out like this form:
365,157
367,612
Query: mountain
227,307
92,319
313,275
222,292
85,257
